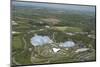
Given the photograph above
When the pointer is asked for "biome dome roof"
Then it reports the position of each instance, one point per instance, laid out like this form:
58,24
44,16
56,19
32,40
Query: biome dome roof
40,40
67,44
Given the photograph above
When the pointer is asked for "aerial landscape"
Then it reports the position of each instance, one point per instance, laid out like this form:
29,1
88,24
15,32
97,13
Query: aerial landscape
49,33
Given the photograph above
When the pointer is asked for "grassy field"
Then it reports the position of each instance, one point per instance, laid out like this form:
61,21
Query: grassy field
17,43
68,29
31,21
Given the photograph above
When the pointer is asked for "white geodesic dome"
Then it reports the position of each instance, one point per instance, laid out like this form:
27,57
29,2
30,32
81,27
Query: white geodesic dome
67,44
40,40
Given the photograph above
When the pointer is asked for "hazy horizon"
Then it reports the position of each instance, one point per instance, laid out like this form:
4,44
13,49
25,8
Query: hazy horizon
57,6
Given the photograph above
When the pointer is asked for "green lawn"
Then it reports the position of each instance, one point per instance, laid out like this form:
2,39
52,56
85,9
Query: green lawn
17,43
23,58
68,29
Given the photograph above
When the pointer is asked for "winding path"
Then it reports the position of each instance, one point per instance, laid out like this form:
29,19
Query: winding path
25,46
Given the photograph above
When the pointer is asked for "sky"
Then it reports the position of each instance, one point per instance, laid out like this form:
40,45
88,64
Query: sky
58,6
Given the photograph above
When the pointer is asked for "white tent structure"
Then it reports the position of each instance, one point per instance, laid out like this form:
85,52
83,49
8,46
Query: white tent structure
56,49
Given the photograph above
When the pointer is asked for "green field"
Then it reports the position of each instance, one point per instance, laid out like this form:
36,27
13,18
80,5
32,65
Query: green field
68,29
58,24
